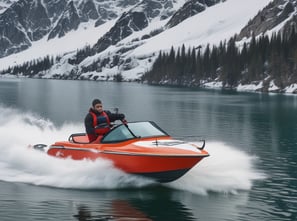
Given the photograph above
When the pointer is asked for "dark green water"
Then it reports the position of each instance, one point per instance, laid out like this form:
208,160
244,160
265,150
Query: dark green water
250,174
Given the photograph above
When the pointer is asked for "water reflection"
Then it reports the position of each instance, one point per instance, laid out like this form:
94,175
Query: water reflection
161,204
142,205
83,214
119,210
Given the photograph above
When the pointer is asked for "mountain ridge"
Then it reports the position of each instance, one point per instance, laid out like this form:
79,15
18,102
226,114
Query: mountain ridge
124,48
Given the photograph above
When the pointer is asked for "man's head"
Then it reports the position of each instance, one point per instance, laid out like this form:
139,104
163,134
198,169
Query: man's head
97,105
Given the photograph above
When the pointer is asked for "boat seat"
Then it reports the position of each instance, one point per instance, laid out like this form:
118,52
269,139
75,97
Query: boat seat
79,138
82,138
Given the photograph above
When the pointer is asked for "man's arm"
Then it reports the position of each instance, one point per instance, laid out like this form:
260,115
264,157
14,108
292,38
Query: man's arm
89,124
115,116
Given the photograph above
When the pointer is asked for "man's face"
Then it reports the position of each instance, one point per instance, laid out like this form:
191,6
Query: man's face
98,107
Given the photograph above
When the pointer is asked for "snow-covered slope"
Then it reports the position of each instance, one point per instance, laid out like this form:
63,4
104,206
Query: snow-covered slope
213,25
87,34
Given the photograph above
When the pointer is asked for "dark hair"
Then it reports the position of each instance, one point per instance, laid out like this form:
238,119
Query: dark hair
96,101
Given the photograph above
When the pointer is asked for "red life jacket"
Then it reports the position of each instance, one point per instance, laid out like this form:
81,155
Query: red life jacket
101,123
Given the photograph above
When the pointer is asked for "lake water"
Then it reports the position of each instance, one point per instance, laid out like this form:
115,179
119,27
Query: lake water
251,173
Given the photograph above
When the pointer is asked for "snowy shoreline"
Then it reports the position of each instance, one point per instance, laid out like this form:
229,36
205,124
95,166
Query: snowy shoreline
253,88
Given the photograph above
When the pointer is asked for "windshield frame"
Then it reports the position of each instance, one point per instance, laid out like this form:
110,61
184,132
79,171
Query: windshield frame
133,130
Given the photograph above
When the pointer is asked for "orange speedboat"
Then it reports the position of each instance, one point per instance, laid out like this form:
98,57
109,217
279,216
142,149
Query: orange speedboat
140,148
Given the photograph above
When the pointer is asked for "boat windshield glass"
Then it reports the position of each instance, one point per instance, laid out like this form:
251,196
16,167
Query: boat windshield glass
133,130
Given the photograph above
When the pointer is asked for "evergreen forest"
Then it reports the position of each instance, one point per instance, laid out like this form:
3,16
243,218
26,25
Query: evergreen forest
261,59
31,68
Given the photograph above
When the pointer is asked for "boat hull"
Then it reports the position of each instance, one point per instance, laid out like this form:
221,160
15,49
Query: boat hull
161,167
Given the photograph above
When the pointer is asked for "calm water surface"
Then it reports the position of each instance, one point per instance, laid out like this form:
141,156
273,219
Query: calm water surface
250,175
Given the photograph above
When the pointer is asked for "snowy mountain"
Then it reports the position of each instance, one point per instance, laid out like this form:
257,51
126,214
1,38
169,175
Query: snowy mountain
27,21
98,39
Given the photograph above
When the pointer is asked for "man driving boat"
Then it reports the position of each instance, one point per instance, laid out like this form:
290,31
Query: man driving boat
98,121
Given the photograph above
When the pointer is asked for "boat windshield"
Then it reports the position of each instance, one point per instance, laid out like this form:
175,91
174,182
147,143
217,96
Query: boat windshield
133,130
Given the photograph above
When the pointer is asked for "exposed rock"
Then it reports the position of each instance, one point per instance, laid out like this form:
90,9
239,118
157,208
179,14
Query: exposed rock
267,19
190,8
38,21
68,21
88,11
5,4
55,8
12,37
129,22
27,21
136,19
